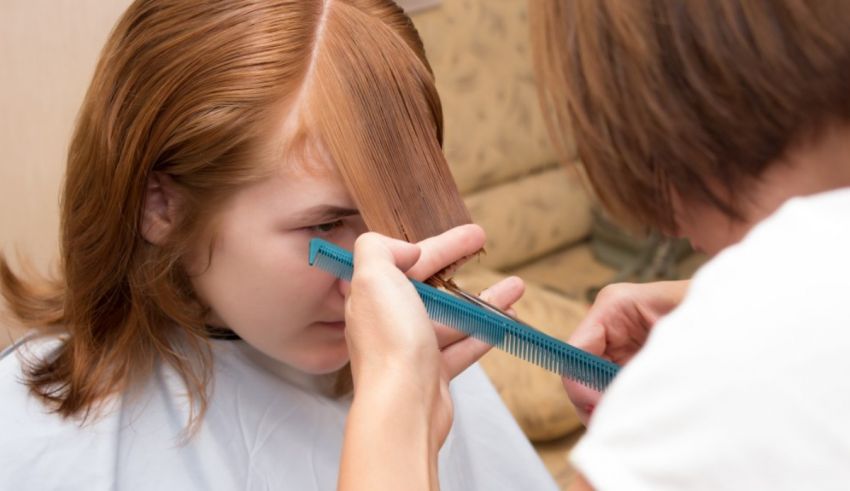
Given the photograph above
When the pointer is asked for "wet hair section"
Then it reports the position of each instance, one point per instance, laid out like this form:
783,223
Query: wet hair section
373,105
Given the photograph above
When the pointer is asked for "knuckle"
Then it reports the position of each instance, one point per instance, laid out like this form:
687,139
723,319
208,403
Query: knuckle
613,291
365,279
367,240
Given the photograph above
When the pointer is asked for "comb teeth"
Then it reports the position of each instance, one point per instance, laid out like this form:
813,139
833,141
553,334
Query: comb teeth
333,259
510,336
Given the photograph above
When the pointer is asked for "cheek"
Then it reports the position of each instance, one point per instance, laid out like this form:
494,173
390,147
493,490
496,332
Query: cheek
309,289
269,289
690,231
692,221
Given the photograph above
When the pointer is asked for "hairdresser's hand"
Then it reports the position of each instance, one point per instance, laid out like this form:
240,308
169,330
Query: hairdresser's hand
401,374
616,327
387,324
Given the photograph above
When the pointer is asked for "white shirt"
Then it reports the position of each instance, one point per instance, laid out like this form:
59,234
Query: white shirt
264,429
746,385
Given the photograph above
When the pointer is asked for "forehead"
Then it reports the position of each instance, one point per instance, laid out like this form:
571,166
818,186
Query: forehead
290,188
306,157
296,169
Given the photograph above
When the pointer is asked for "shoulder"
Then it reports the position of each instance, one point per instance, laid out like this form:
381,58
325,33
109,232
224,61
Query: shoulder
35,440
772,306
16,356
747,371
803,234
788,268
22,413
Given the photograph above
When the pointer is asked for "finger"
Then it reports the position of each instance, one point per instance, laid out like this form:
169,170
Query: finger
590,338
593,320
502,295
447,335
583,398
378,287
375,250
608,304
445,249
384,315
459,356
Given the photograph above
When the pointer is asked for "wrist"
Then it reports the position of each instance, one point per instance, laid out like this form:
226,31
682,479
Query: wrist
393,375
389,422
394,391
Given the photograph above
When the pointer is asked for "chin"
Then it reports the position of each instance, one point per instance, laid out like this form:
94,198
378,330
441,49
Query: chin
324,363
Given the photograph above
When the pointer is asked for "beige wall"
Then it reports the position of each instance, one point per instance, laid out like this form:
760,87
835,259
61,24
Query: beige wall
48,49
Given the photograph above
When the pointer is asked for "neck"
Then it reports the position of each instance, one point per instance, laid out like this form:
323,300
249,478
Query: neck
809,168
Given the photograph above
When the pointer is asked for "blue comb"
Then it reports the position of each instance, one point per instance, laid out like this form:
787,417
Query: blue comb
498,330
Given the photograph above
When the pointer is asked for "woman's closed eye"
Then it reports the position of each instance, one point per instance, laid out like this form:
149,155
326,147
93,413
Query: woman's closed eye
325,228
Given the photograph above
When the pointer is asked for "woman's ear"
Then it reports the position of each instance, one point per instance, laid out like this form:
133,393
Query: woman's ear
160,212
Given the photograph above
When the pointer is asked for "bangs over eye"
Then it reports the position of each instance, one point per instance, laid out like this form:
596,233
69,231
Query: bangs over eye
373,105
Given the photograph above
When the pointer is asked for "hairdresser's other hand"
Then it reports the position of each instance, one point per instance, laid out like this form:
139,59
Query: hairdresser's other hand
616,328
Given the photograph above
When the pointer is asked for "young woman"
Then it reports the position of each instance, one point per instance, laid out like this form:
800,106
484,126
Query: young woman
187,343
724,121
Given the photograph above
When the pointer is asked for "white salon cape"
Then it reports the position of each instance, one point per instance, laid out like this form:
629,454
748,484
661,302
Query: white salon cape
265,428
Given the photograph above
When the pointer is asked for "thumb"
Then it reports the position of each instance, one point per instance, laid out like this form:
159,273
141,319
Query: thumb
589,337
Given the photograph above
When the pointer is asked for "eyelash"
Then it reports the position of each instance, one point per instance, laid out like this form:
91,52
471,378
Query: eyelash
325,228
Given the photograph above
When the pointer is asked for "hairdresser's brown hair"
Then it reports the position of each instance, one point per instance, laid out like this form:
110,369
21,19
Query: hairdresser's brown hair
696,97
188,88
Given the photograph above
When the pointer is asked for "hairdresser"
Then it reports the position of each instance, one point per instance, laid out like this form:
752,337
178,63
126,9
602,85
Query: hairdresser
723,121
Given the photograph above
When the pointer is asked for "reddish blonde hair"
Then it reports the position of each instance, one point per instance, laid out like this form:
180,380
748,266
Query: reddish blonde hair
187,88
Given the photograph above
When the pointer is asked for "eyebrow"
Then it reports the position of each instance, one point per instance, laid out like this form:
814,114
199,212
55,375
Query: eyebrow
325,213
